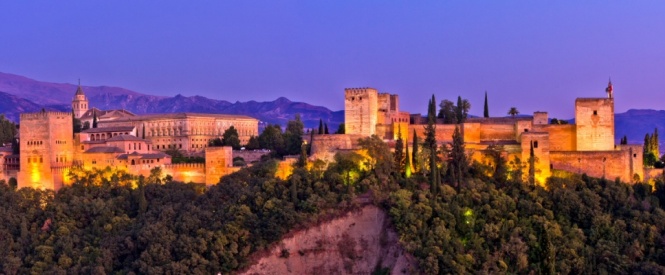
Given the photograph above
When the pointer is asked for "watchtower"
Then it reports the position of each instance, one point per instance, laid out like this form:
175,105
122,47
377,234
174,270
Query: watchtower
360,111
46,142
594,119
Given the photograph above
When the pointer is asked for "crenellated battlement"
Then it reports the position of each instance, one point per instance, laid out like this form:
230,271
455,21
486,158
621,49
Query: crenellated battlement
43,115
185,166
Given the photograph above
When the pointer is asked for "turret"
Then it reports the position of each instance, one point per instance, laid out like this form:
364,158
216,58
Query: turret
79,103
609,90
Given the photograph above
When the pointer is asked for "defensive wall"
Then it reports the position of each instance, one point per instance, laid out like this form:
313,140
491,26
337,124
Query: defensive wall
325,146
251,155
623,163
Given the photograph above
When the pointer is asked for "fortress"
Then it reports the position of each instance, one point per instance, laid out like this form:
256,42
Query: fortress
584,147
49,148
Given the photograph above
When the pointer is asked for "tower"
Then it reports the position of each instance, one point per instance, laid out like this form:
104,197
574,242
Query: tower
360,111
45,144
609,90
79,103
594,119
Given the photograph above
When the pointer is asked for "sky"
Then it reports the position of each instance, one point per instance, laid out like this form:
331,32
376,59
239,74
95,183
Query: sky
532,55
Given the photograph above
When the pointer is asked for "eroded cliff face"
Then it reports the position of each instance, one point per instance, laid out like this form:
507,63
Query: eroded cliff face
359,243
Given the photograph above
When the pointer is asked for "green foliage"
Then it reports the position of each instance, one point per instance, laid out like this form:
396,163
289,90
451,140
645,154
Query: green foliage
513,111
554,120
8,130
459,163
574,226
231,138
451,113
293,136
253,143
271,138
652,150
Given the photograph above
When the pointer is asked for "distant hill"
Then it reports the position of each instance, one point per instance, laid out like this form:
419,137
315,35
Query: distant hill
636,123
58,96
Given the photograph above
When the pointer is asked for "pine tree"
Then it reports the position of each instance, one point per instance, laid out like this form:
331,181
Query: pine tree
458,111
320,127
430,141
325,129
486,111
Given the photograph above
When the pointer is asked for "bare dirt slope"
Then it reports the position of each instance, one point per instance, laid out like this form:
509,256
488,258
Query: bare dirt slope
358,243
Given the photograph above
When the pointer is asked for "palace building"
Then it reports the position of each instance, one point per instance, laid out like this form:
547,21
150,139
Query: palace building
588,146
49,148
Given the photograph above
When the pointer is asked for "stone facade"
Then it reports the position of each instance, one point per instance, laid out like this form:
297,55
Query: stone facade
585,147
49,148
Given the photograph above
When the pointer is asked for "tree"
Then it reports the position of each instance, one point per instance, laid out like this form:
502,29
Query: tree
414,153
94,119
293,136
320,127
447,111
513,111
230,138
407,166
143,131
8,130
215,142
341,129
272,139
16,146
325,129
459,164
462,109
430,141
624,140
253,143
86,125
486,111
532,165
399,153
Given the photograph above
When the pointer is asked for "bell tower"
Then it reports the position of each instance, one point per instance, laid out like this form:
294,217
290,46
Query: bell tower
80,102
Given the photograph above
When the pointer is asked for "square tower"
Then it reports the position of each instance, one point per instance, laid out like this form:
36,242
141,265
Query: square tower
594,123
360,111
46,143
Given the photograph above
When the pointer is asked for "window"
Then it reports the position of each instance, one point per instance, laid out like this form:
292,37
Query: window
526,130
595,113
535,144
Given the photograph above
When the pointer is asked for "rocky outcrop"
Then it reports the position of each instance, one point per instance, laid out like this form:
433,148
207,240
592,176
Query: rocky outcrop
361,242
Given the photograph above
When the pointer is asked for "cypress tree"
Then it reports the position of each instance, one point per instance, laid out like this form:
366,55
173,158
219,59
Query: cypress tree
143,133
325,129
486,111
458,163
414,153
430,141
532,165
320,127
407,167
399,152
459,110
94,119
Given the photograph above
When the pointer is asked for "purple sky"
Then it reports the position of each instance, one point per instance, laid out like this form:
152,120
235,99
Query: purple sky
534,55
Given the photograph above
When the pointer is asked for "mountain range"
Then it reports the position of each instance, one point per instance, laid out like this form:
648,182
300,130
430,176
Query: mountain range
20,94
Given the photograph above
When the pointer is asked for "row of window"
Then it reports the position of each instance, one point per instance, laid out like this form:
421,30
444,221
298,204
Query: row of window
35,142
35,159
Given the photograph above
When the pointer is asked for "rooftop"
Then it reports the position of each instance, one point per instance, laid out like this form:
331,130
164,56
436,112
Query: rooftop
182,116
105,149
109,129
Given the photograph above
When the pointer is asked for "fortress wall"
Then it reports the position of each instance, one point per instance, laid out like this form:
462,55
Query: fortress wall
561,136
613,163
184,172
494,132
594,118
325,146
540,118
635,154
522,126
252,155
444,132
471,132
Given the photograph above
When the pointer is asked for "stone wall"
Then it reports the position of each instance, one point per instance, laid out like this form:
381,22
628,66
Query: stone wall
251,155
184,172
562,136
541,151
594,120
324,147
497,132
611,164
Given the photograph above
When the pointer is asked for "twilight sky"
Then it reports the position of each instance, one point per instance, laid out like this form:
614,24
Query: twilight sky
534,55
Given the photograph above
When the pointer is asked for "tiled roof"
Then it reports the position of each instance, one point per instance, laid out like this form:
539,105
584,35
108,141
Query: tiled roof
125,138
109,129
145,156
105,149
182,116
